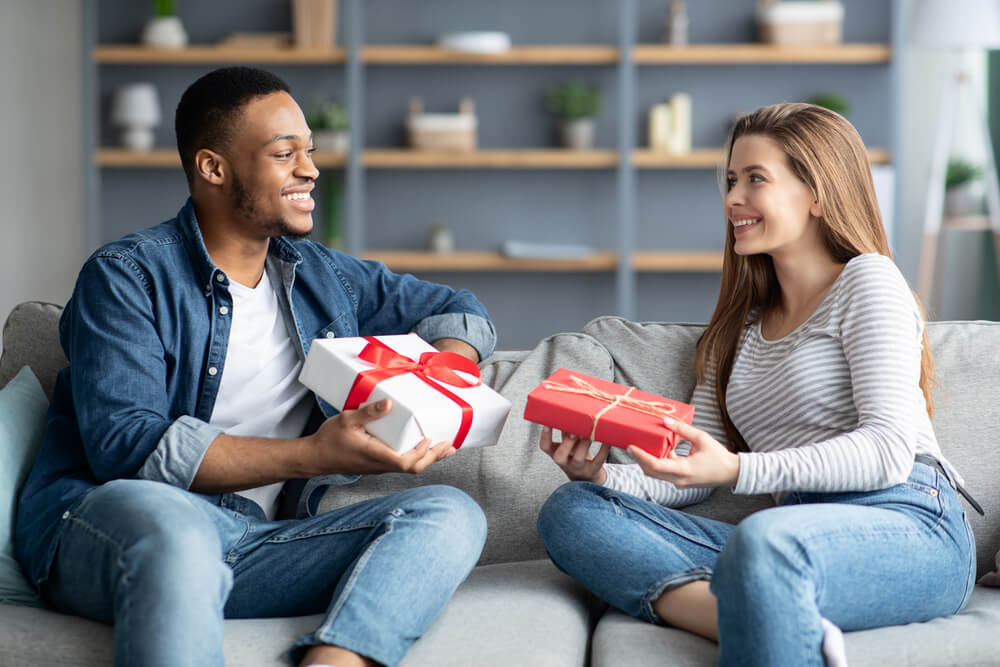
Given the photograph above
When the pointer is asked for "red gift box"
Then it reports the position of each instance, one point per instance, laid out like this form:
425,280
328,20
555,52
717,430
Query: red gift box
620,416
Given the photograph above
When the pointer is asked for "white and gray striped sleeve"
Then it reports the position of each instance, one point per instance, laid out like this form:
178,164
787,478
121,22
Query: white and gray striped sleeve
880,336
630,478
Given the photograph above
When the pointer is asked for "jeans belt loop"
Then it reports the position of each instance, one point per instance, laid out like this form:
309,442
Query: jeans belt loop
934,463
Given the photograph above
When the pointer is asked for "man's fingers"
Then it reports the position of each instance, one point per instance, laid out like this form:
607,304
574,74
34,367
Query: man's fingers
370,412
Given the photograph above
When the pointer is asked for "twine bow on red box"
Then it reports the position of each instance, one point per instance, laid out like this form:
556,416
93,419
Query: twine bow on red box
581,386
432,367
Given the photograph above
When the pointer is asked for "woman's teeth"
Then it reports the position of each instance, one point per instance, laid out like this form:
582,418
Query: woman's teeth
744,223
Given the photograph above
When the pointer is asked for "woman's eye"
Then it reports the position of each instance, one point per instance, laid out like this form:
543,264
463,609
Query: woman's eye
756,178
730,182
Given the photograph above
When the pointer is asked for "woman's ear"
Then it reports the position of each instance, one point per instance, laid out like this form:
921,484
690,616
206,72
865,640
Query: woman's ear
210,166
815,210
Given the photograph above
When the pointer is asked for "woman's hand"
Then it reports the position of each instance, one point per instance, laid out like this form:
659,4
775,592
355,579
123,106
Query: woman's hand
573,456
708,464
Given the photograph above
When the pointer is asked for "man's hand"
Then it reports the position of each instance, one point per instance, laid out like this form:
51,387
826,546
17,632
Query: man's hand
573,456
458,347
708,464
342,445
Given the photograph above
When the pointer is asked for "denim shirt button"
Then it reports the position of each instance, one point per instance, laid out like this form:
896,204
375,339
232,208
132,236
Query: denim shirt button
220,278
330,334
223,310
213,370
65,515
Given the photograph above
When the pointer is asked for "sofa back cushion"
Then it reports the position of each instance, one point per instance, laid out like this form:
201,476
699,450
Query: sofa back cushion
31,338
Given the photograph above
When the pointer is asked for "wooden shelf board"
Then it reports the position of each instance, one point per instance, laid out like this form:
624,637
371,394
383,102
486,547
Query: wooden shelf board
168,157
404,158
517,55
601,261
490,159
132,54
644,54
465,260
677,260
710,158
737,54
966,223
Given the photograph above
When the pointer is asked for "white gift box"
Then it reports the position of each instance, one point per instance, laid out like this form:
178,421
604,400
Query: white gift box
419,410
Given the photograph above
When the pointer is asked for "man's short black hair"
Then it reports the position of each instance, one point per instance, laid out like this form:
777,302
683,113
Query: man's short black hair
209,109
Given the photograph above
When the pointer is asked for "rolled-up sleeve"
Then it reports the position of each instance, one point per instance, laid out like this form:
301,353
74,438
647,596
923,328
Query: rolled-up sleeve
179,453
475,330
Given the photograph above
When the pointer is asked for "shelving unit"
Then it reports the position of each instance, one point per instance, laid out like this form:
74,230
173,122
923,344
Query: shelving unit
652,231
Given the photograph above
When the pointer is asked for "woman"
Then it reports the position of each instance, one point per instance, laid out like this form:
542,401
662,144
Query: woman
814,379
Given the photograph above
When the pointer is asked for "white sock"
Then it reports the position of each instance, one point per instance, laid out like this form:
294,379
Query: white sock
833,645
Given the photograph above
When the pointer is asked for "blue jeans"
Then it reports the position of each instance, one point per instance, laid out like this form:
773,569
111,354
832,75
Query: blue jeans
862,560
166,566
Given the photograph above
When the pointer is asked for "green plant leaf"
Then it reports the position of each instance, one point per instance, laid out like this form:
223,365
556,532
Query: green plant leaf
573,100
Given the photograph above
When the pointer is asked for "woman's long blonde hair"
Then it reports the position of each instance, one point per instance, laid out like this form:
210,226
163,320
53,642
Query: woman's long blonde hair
827,154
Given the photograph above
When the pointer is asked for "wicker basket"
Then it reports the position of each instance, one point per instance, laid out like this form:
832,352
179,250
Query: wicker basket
441,131
800,22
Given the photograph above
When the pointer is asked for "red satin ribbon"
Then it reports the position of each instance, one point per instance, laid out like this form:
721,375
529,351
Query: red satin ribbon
431,366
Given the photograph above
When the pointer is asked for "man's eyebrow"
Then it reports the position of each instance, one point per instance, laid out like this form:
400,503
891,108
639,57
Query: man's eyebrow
282,137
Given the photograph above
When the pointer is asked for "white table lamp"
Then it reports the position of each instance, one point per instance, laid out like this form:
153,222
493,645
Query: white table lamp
956,26
136,109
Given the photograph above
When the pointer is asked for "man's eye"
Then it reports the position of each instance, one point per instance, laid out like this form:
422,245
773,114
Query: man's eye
284,155
311,150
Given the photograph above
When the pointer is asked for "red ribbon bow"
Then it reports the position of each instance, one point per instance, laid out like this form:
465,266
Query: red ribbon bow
432,368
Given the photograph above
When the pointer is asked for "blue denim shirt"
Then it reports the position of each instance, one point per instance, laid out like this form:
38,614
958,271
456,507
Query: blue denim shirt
146,333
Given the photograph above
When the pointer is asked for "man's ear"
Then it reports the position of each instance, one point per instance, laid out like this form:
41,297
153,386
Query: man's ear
211,166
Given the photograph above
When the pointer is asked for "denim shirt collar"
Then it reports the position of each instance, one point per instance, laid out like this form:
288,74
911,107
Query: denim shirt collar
206,269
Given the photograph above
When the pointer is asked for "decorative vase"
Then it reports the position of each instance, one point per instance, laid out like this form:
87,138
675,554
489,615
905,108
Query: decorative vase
960,200
165,32
578,134
333,141
440,239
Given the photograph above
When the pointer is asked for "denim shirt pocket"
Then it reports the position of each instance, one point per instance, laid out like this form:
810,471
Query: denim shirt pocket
338,328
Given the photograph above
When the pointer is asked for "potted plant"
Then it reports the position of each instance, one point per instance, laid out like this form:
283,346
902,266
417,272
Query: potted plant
959,187
832,101
576,104
330,124
165,29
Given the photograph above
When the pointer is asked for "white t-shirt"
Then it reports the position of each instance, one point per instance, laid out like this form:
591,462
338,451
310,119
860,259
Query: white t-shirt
260,394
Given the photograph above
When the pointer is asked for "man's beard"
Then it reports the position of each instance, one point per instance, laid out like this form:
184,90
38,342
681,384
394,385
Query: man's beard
272,227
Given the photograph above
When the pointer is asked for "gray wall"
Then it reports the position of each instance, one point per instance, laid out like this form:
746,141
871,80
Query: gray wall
41,180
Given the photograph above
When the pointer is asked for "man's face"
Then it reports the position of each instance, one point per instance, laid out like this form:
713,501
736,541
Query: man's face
272,172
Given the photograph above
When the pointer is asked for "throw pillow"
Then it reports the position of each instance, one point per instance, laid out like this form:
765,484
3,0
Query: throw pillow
22,419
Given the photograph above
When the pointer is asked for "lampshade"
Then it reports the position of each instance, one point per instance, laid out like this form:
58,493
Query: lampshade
956,24
136,105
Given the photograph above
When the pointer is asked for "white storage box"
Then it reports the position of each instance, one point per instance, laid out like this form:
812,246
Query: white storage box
421,407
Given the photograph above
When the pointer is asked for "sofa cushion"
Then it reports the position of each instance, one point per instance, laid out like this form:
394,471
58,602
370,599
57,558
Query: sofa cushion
511,479
965,639
967,420
507,614
31,338
22,421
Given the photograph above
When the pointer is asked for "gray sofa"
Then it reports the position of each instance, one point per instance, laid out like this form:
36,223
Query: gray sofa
516,608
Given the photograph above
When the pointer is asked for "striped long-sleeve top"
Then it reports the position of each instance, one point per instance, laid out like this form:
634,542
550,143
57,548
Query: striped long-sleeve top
835,405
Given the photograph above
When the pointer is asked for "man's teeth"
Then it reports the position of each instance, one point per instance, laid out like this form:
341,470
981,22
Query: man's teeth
744,223
293,196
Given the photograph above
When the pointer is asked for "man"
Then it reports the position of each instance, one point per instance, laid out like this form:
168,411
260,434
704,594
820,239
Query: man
152,504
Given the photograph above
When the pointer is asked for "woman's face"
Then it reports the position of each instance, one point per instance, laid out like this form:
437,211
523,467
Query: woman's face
770,209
